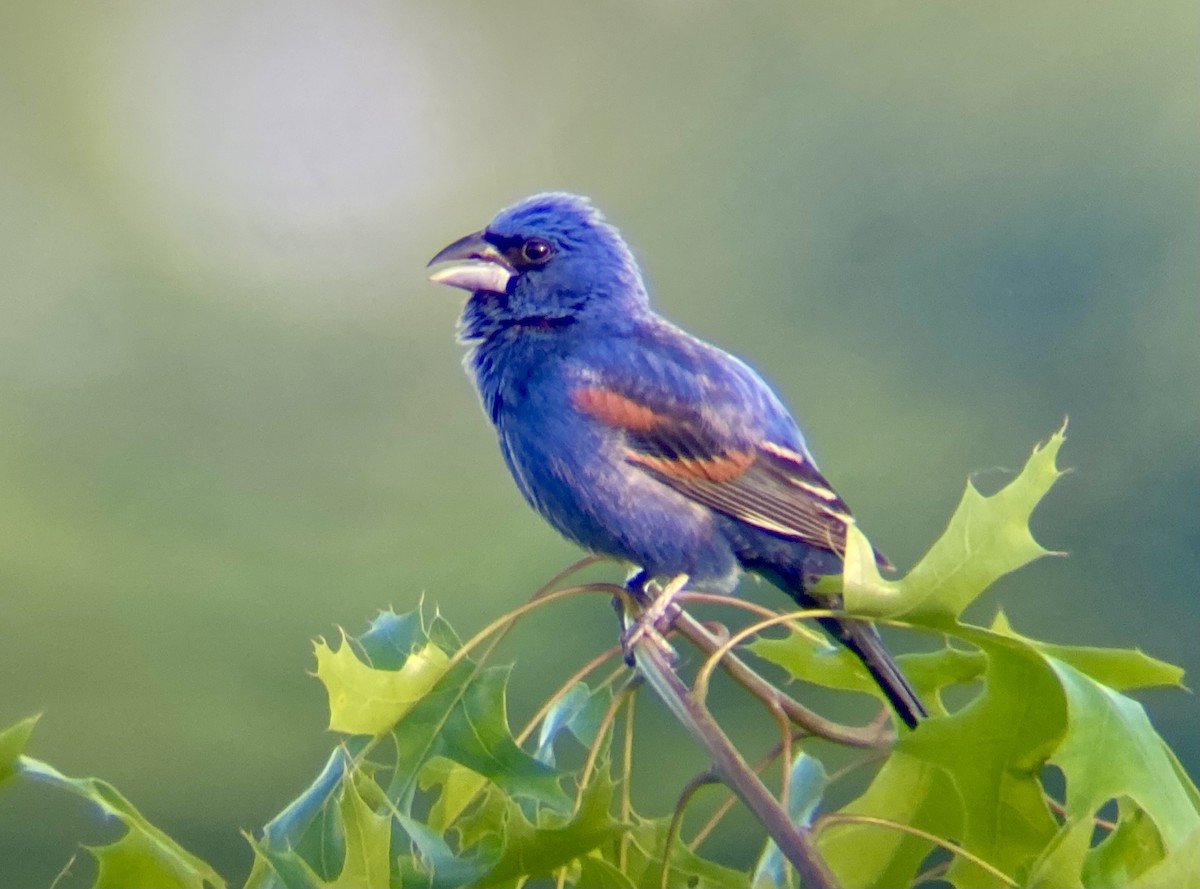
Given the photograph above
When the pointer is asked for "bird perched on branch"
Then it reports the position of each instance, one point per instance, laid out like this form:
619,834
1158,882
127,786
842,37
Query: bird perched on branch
633,438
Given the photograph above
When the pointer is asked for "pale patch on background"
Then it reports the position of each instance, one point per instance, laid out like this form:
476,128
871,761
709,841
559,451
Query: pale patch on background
281,143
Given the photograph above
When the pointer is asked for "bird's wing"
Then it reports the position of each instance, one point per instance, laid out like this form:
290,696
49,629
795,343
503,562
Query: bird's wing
757,481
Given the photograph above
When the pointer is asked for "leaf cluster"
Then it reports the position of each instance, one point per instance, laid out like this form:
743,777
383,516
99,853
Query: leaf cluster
1035,768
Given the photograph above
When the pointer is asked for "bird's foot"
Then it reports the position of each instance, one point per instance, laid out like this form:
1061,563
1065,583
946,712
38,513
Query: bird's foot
654,623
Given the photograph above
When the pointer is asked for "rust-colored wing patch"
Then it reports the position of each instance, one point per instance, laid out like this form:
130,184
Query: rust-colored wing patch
764,484
614,409
717,468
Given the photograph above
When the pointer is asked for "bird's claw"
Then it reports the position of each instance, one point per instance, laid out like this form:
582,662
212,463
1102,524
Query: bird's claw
655,622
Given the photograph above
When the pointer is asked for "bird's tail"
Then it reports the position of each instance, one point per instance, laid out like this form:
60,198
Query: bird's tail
863,639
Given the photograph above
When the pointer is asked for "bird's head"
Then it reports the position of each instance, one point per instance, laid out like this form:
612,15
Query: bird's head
548,261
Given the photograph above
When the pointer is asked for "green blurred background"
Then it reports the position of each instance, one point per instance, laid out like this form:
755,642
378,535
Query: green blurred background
232,409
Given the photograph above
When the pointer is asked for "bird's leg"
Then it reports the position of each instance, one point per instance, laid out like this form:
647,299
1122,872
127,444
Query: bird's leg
635,586
656,619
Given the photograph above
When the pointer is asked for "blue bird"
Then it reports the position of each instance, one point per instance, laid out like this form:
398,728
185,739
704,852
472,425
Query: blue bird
633,438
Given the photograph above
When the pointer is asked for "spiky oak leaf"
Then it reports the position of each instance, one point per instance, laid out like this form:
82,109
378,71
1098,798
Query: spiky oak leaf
475,733
12,744
459,787
364,700
1113,752
435,865
1118,668
597,873
989,755
368,838
835,667
987,537
647,847
143,856
276,869
553,840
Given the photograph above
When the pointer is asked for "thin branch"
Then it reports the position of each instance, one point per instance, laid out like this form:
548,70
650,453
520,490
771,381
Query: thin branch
796,627
574,568
610,652
875,735
610,714
505,622
1059,809
932,873
835,818
796,843
785,760
705,675
65,872
626,785
676,826
721,810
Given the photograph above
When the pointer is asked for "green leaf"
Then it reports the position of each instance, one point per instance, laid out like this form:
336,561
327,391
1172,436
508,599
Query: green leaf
973,776
647,847
135,860
1060,865
367,701
987,537
932,671
567,709
311,826
993,750
1180,867
816,661
368,837
436,866
391,638
835,667
12,744
1132,848
1112,752
144,856
1118,668
432,709
807,787
477,735
596,873
288,828
459,786
906,790
861,587
532,850
419,736
286,867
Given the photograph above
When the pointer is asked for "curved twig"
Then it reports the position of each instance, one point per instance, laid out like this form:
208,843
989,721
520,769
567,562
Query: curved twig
610,715
796,627
608,653
626,785
835,818
874,735
704,676
675,828
541,598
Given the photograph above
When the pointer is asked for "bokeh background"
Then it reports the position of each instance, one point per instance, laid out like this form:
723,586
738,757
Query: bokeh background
231,409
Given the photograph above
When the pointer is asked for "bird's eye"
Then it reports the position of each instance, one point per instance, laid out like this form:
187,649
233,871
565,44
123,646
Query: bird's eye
535,251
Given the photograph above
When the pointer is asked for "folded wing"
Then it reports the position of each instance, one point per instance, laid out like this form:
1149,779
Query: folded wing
762,483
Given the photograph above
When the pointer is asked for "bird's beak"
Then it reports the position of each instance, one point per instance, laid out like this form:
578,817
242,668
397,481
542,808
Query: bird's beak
473,263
